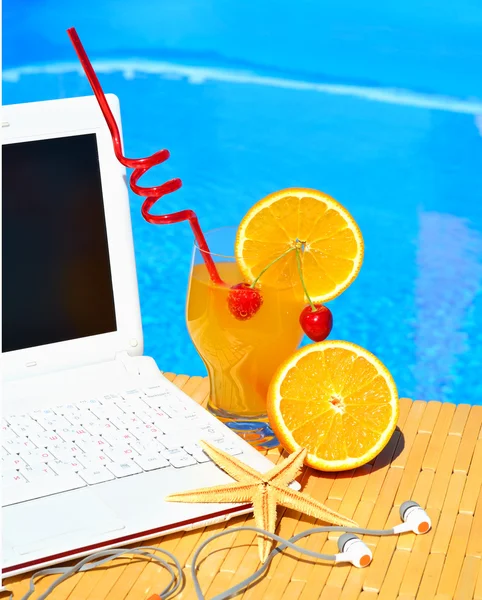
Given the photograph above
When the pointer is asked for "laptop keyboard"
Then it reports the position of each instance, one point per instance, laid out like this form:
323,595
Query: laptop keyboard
95,440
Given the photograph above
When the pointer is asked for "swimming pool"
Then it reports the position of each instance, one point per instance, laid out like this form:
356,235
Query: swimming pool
395,138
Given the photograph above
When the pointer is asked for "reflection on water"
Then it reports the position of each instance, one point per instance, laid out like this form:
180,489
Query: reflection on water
449,279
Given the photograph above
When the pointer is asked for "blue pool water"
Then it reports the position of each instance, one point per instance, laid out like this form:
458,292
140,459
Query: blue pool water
381,109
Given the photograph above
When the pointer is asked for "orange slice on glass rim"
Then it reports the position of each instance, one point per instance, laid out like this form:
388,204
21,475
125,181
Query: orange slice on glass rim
336,400
330,242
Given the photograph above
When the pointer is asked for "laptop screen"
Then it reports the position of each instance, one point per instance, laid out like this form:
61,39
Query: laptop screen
56,276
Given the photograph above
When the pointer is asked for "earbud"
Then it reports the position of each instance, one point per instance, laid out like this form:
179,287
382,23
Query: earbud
353,550
414,517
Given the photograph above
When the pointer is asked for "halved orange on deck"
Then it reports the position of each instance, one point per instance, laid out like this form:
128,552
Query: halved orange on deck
330,241
335,399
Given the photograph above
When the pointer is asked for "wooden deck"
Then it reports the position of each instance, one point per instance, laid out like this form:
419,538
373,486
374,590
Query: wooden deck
434,458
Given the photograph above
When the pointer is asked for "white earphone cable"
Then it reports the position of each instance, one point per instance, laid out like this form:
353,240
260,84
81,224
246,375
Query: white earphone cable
176,575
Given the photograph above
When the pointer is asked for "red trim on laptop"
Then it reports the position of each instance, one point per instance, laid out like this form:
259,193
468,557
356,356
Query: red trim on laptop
121,540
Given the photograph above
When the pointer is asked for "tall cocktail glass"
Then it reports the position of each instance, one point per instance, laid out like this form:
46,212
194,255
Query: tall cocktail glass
240,356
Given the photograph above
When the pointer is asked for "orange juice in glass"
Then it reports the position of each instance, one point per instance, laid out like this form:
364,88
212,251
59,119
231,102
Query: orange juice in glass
240,356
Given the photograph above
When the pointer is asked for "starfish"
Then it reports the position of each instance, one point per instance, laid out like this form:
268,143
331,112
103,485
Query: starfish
264,490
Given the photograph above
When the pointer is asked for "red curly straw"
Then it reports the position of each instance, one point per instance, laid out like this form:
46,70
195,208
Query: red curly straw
142,165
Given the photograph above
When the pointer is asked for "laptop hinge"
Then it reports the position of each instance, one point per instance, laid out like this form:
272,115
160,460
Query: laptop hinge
129,363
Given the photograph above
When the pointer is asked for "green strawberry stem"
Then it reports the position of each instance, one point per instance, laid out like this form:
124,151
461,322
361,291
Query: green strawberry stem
271,264
300,273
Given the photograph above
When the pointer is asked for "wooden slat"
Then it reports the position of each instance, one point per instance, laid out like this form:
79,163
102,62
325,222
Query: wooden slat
449,514
444,472
420,495
419,556
434,457
455,556
474,546
467,445
381,466
430,417
474,481
394,577
319,574
478,585
440,432
431,576
460,419
468,578
354,584
382,555
410,430
412,468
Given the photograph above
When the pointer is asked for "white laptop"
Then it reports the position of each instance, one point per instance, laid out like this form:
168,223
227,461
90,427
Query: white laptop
93,437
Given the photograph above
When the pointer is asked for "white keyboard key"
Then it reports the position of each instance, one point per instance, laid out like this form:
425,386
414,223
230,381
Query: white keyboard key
192,448
141,448
229,447
37,457
53,422
109,397
65,452
128,407
113,436
150,462
114,423
41,412
120,437
78,418
128,421
176,409
176,440
168,425
7,433
121,453
154,401
195,420
106,411
197,452
92,443
145,431
132,394
127,437
91,423
191,423
18,419
210,434
124,468
152,446
12,477
201,457
13,461
86,404
153,415
18,445
73,434
100,427
61,467
178,458
65,409
4,452
154,390
37,473
20,492
94,459
96,475
145,416
47,439
27,428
